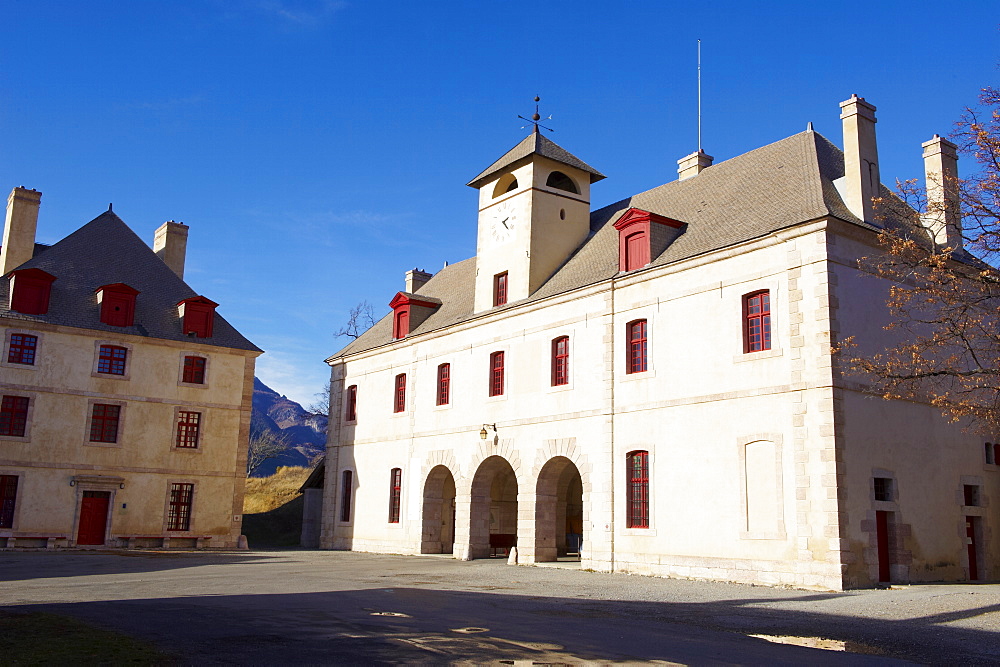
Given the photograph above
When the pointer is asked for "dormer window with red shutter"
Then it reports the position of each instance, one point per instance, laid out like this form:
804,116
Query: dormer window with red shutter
197,316
642,236
409,311
30,290
117,304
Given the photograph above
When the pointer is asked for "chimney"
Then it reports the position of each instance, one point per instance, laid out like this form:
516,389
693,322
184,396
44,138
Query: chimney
19,230
170,245
415,279
861,179
693,164
943,219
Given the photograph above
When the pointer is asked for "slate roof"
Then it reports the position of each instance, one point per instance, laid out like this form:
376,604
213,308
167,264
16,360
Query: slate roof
536,144
771,188
103,252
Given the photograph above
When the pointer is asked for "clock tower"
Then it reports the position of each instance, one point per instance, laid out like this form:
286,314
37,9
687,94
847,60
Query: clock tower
534,212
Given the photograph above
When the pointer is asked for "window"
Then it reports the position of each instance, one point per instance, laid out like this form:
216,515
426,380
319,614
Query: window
8,496
197,316
757,321
637,468
560,361
30,290
14,415
395,493
401,323
971,495
117,304
500,289
351,412
179,515
636,347
345,495
496,374
22,349
636,245
444,384
188,426
561,181
883,489
111,360
399,401
194,370
642,236
104,422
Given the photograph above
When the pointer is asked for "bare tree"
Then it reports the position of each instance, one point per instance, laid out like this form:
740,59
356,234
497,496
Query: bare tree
945,298
361,319
264,446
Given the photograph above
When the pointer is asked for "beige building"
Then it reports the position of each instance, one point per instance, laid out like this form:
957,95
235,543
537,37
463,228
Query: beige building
650,385
125,396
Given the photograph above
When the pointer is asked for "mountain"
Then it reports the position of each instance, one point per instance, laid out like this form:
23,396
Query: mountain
305,431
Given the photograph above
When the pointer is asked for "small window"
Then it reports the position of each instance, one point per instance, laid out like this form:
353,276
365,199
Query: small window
971,493
395,493
399,400
197,316
104,422
444,384
111,360
989,454
179,516
22,349
30,290
500,289
346,492
637,348
757,321
117,303
194,370
401,323
351,411
496,374
506,183
561,181
636,246
188,427
14,416
637,469
8,496
560,361
883,489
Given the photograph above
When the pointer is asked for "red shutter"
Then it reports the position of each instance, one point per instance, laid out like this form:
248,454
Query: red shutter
637,491
30,290
198,316
496,374
117,304
757,322
399,404
560,361
351,414
444,384
636,250
637,348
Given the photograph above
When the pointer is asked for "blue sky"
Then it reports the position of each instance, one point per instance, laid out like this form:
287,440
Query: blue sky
318,149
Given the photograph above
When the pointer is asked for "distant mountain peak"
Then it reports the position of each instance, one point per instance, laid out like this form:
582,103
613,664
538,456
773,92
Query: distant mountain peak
306,431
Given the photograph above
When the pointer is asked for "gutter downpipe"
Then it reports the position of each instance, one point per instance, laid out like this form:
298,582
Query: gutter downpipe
613,454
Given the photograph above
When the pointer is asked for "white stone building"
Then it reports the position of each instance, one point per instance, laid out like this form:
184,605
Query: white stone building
654,378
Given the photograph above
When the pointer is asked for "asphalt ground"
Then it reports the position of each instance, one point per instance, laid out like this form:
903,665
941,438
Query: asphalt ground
322,607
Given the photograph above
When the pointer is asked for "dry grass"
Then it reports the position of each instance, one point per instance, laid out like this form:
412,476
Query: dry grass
264,494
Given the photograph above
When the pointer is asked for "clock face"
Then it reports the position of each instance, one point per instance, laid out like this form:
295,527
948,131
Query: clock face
503,221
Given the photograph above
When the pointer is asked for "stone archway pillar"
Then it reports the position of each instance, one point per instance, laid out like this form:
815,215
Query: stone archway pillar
463,526
526,528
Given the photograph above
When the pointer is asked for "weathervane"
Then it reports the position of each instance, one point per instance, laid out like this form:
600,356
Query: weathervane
536,118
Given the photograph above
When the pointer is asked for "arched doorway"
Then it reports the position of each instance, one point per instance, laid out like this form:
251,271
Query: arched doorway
438,528
493,509
558,510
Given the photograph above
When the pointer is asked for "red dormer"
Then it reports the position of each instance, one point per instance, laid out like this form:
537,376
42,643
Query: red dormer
409,311
30,290
197,316
117,303
639,240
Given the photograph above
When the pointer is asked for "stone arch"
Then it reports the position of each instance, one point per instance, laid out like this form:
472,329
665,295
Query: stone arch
492,505
437,532
561,181
558,510
506,183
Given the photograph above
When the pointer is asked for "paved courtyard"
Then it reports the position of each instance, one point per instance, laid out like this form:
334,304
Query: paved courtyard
310,607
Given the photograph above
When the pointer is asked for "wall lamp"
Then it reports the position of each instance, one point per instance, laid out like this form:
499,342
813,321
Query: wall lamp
483,433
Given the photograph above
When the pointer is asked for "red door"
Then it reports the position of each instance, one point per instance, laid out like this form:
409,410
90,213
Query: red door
970,533
882,540
93,517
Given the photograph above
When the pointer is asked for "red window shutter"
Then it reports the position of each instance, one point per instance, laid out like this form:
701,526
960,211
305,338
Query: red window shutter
117,304
757,321
30,291
351,413
198,316
500,289
346,493
637,348
194,370
560,361
104,422
401,323
496,374
399,404
636,250
637,491
444,384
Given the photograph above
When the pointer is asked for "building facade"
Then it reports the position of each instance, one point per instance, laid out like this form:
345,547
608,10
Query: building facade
126,397
651,384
